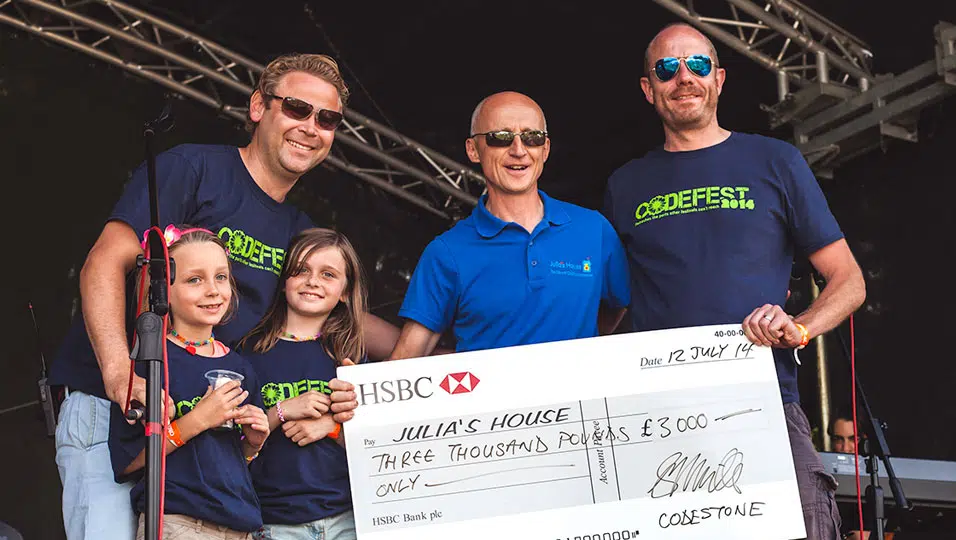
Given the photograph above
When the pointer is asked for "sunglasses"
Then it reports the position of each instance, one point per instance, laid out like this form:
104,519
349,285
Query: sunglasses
503,138
698,64
300,110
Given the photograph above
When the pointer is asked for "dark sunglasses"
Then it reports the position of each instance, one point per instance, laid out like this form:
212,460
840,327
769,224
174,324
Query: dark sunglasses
300,110
698,64
503,138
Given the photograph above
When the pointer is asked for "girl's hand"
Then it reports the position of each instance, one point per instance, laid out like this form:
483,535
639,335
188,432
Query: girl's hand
303,432
310,404
255,425
219,405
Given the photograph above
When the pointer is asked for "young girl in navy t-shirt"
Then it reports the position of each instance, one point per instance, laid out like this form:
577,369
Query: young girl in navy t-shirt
209,488
314,324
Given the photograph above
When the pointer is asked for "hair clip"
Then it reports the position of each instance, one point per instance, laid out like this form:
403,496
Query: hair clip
172,234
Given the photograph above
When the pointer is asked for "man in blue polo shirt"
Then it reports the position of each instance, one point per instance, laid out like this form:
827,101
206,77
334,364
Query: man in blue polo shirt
523,268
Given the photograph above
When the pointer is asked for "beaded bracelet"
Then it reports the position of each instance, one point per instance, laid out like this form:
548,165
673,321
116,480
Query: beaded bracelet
279,411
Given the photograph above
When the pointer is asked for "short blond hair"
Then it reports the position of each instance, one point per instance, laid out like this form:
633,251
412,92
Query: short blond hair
318,65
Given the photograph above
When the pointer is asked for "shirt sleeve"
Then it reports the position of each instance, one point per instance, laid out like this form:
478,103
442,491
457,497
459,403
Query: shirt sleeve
811,222
616,289
432,296
177,183
608,209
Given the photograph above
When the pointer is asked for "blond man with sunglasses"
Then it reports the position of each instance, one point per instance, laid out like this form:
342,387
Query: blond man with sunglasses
712,221
240,195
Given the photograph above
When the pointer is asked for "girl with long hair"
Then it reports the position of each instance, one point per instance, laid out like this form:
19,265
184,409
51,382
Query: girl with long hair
314,325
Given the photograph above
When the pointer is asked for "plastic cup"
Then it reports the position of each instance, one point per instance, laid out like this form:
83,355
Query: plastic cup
219,377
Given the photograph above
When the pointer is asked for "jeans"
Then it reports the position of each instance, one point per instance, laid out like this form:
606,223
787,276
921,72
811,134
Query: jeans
820,513
338,527
94,505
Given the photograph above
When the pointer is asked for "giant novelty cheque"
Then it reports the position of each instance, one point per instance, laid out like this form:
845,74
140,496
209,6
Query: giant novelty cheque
666,434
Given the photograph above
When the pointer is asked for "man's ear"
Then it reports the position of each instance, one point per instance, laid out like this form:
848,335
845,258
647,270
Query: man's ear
257,106
648,89
471,148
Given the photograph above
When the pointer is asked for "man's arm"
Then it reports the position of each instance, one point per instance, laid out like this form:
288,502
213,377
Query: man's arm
415,341
103,291
380,337
844,292
609,318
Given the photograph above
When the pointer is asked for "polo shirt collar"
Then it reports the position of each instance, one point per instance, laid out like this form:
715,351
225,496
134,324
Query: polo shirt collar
489,225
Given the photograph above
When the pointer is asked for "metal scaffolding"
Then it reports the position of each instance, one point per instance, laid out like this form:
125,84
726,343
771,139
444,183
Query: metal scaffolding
209,73
841,109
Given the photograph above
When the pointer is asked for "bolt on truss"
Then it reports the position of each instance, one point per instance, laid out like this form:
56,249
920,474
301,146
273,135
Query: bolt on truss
840,109
199,69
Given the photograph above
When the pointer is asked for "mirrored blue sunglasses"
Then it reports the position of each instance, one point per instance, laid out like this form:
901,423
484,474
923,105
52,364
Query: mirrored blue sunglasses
698,64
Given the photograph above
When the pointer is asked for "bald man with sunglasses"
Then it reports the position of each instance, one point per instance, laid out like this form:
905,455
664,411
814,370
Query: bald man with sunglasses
523,267
711,223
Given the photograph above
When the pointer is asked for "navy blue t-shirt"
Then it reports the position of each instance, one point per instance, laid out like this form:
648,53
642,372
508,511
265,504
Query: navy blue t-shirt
298,484
208,477
711,234
209,187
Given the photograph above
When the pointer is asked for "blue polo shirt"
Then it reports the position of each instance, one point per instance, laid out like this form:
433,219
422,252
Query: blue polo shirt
497,285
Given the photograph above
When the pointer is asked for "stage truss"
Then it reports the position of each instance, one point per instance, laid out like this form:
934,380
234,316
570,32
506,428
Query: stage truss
199,69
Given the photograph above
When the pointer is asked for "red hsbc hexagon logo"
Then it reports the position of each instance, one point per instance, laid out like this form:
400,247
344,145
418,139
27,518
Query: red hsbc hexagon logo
459,383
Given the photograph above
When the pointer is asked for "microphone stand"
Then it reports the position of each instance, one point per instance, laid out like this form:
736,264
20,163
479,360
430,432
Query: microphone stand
875,449
149,331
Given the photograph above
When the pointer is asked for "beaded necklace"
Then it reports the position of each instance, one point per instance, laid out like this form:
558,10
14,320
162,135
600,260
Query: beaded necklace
191,346
293,337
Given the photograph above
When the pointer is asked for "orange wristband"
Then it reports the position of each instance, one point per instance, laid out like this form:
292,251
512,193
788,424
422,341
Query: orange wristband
335,431
804,335
173,434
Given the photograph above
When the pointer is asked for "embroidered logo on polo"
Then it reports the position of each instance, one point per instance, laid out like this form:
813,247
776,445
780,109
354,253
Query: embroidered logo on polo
701,199
281,391
570,268
248,251
459,383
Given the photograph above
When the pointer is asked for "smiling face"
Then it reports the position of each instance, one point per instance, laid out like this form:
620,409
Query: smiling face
319,284
514,169
199,297
292,147
687,101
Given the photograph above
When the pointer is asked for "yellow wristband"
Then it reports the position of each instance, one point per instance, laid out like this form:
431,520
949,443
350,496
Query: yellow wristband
804,335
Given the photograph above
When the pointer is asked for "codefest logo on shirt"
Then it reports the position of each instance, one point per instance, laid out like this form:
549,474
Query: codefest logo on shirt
378,392
250,252
702,199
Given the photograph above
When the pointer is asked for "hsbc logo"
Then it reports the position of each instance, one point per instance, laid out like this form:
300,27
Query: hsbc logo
459,383
397,390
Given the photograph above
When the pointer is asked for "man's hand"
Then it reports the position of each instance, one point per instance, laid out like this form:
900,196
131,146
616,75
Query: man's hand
770,326
116,391
303,432
255,425
219,405
309,404
343,397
